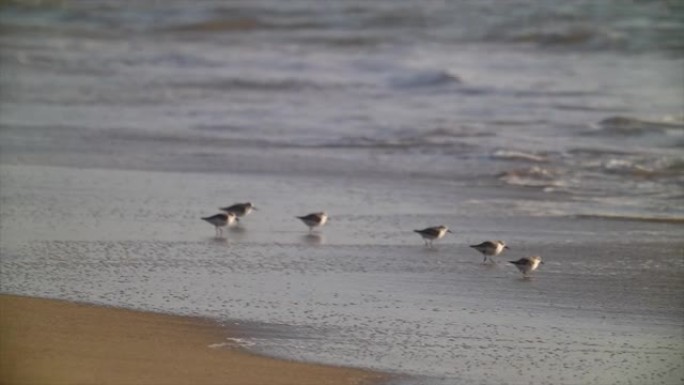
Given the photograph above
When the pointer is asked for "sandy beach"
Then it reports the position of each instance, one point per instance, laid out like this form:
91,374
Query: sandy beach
555,129
58,342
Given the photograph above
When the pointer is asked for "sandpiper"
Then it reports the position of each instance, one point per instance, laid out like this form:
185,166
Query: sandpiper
528,264
221,220
431,233
490,249
239,209
314,220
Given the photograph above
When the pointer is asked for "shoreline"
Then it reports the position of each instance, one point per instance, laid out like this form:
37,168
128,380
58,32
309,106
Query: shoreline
48,341
608,303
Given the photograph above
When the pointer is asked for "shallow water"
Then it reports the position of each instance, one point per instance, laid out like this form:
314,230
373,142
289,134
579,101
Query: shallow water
363,291
556,128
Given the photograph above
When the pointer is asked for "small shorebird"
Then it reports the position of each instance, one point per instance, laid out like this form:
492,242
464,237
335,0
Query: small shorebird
431,233
490,249
314,220
239,209
221,220
528,264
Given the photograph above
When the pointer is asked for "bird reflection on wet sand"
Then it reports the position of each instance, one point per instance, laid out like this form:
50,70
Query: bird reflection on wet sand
313,239
237,229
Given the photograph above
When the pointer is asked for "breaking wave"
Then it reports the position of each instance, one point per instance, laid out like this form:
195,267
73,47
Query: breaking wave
638,218
624,125
534,176
519,156
263,84
426,78
579,35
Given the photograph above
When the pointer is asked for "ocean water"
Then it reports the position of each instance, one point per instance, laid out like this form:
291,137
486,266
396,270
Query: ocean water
581,100
557,126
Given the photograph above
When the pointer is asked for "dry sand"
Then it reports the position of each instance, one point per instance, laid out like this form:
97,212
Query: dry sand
57,342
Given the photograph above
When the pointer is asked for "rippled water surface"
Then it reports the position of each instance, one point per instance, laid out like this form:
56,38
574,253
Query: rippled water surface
555,126
582,100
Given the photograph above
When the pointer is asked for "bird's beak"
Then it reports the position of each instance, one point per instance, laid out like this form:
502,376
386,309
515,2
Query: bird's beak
542,262
255,208
507,248
449,231
237,219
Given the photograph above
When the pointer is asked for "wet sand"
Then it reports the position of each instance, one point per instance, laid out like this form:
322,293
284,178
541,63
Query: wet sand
57,342
601,310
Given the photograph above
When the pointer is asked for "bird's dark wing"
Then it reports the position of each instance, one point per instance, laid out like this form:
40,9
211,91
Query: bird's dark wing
237,206
310,217
484,244
429,231
217,216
